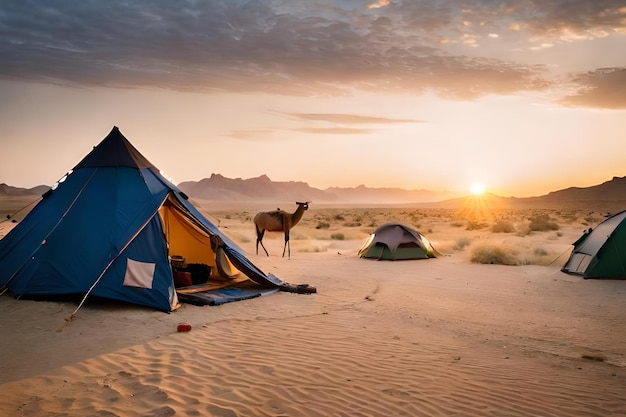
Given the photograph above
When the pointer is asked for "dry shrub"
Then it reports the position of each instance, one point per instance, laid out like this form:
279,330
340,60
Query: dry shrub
503,226
489,253
492,254
542,223
475,225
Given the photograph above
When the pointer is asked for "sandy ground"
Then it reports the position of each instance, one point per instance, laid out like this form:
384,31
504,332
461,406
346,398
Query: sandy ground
438,337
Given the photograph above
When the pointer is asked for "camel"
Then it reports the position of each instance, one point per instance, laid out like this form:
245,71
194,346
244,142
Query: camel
277,221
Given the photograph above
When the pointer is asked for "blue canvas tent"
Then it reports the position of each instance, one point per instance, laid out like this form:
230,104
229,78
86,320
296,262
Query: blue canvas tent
109,229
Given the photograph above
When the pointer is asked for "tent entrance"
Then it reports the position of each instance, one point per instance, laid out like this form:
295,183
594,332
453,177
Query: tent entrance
198,262
403,251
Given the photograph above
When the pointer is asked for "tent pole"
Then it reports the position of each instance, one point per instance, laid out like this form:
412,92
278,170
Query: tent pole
90,290
554,260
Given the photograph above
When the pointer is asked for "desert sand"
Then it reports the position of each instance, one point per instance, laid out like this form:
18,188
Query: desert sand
438,337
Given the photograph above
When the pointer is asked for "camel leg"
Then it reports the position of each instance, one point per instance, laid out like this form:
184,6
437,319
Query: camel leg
287,245
263,246
259,239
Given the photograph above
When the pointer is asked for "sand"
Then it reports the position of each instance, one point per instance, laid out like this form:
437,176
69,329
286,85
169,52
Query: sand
439,337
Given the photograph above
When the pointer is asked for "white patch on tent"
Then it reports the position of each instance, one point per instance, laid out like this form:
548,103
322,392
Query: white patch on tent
139,274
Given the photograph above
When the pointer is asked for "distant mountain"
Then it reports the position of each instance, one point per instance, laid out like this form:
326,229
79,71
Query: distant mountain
218,187
614,189
610,196
9,191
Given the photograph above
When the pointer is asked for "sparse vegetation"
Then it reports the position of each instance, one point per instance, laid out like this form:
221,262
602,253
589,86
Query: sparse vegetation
542,223
493,254
475,225
508,237
502,226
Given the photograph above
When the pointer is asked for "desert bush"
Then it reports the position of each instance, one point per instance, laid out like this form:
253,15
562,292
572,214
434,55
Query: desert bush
502,226
456,224
542,223
475,225
492,254
337,236
352,224
322,225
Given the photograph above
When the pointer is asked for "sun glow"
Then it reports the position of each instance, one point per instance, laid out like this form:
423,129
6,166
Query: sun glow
477,188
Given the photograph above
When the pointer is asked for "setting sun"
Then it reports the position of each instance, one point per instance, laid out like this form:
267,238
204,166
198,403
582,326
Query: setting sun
477,188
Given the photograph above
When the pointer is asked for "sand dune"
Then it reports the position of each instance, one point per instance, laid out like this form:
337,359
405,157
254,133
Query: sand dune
440,337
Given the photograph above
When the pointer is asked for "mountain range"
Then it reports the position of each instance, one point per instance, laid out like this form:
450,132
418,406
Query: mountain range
218,187
610,194
9,191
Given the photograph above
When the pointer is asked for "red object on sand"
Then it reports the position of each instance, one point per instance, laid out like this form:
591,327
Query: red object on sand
184,327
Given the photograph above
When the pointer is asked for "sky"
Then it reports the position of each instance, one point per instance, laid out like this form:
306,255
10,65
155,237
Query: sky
522,96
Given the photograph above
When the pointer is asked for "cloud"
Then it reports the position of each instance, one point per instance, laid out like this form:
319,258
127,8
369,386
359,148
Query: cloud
602,88
337,119
378,4
333,130
292,48
250,134
351,118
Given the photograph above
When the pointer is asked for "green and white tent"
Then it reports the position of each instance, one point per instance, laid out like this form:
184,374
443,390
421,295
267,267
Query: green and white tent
395,241
600,252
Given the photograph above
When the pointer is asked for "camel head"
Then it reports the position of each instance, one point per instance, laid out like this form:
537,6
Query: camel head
305,204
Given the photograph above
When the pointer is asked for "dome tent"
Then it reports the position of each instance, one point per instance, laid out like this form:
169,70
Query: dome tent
396,241
600,252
